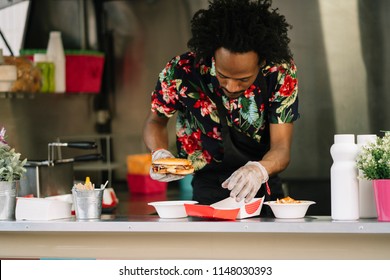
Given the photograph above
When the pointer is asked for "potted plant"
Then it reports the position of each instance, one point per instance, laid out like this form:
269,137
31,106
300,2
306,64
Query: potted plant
374,162
11,170
11,166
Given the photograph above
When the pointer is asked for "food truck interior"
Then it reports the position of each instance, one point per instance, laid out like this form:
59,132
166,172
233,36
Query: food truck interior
342,50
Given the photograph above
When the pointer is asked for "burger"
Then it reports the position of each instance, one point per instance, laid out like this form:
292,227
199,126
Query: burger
177,166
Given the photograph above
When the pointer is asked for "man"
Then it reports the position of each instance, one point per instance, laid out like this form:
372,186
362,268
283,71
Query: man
235,94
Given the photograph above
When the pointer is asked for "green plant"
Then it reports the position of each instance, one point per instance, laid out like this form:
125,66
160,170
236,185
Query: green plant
11,166
374,158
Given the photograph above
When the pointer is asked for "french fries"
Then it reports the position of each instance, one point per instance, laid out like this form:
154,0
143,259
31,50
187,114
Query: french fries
87,186
287,200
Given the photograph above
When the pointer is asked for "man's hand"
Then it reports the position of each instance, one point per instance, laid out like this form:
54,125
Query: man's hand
162,153
246,181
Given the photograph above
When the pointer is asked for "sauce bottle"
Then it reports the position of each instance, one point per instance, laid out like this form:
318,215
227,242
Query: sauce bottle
344,178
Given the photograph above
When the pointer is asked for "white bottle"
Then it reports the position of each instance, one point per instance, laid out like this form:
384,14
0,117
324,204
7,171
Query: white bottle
56,54
367,206
344,178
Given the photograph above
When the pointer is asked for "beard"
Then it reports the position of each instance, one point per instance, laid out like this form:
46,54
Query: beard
232,95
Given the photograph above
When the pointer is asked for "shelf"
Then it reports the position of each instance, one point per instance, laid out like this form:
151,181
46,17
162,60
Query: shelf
95,166
30,95
17,95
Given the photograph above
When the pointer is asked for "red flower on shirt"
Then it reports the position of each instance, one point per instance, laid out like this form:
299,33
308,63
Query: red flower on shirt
187,69
288,86
204,104
206,156
249,92
191,142
204,69
183,91
215,134
282,69
168,92
273,69
157,106
183,61
262,107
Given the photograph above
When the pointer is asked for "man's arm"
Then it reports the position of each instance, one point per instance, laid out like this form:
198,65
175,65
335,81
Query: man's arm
246,181
278,157
155,132
156,139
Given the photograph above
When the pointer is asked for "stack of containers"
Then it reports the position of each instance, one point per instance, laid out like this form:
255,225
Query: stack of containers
138,178
8,74
56,55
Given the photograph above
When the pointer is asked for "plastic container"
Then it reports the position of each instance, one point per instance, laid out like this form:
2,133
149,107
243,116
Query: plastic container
139,164
226,209
55,53
42,209
171,209
382,197
8,74
84,71
47,72
289,210
138,178
143,184
344,178
367,207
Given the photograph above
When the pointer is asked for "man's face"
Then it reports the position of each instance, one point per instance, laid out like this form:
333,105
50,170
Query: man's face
236,71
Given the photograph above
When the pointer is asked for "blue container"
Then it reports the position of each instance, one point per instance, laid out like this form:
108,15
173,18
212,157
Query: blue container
186,187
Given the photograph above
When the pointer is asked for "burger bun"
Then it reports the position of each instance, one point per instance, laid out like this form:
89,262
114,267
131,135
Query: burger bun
177,166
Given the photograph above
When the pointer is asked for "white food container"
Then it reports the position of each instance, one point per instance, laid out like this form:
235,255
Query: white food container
289,210
171,209
42,209
247,210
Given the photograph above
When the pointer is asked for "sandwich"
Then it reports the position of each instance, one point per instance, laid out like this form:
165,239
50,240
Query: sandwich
177,166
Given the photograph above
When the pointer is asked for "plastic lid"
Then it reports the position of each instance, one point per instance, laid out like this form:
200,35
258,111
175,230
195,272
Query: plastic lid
55,33
8,73
344,138
40,57
366,138
5,86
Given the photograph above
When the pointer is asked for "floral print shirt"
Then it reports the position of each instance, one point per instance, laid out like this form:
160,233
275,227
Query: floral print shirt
189,89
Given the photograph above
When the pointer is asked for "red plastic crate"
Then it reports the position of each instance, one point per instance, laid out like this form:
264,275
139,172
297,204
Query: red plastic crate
84,73
143,184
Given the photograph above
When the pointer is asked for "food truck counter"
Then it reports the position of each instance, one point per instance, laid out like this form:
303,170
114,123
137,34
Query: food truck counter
149,237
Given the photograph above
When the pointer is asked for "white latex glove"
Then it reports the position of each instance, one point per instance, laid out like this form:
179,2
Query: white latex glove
162,153
246,181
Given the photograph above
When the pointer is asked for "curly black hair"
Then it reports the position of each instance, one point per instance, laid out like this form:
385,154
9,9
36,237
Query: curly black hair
241,26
